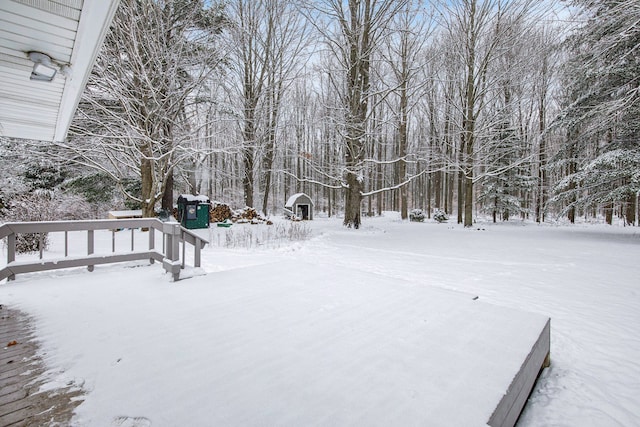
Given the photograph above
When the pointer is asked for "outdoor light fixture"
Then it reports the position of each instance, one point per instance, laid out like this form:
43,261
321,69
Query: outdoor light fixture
43,68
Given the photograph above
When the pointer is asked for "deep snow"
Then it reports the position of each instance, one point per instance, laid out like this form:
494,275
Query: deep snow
584,277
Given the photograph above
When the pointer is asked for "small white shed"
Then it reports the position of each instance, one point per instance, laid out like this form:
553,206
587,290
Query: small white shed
299,205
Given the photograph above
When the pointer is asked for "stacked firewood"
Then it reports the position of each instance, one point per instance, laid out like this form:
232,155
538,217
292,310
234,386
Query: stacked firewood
248,215
220,212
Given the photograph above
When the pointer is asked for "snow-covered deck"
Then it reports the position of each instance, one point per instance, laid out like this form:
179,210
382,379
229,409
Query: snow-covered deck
319,350
324,347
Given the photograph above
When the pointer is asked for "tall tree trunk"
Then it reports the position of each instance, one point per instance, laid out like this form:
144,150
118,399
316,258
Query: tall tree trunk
167,196
495,209
355,186
358,36
146,174
269,153
461,197
608,213
542,149
630,211
247,179
542,180
248,155
572,169
468,201
402,147
353,200
469,118
461,181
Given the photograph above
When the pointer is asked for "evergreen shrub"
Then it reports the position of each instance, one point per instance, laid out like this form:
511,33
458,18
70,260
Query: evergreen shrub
440,215
416,215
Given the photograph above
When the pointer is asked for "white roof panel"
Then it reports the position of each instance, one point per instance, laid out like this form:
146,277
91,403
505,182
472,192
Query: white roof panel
293,199
71,32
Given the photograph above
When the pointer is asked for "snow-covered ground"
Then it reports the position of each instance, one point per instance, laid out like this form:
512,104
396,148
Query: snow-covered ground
585,278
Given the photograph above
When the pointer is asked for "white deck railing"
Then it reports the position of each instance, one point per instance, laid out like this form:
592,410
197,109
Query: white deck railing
173,234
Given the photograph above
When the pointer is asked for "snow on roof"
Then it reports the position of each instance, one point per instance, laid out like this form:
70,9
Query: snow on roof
192,198
295,197
126,213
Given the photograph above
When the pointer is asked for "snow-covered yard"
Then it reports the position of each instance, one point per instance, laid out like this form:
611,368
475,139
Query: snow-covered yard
102,329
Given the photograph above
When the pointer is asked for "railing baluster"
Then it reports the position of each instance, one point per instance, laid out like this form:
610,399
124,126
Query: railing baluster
11,252
113,241
152,242
40,244
66,244
132,247
184,244
196,256
90,242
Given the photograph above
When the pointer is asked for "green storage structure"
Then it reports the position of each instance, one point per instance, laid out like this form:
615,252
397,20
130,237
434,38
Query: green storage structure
193,211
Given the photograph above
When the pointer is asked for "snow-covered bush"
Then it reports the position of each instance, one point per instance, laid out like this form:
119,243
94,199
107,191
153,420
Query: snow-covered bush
246,235
298,231
416,215
43,205
440,215
37,206
75,207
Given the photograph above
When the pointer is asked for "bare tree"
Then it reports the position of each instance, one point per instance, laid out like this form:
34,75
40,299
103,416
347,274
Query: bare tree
547,61
477,31
353,31
132,116
405,55
268,37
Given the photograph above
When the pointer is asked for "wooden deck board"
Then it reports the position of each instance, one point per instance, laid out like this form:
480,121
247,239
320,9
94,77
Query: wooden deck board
508,410
10,391
11,356
21,402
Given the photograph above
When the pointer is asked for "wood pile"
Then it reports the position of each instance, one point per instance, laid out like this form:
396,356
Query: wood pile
248,215
220,212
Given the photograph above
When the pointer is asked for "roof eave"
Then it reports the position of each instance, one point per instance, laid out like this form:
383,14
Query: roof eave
88,42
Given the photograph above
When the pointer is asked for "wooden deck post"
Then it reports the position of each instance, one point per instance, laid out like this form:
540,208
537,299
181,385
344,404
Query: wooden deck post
152,243
196,253
171,262
90,242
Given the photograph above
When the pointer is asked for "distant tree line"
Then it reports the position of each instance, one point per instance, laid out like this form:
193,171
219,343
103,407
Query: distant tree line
500,108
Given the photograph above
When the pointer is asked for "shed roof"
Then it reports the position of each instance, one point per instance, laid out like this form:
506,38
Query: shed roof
295,197
71,33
